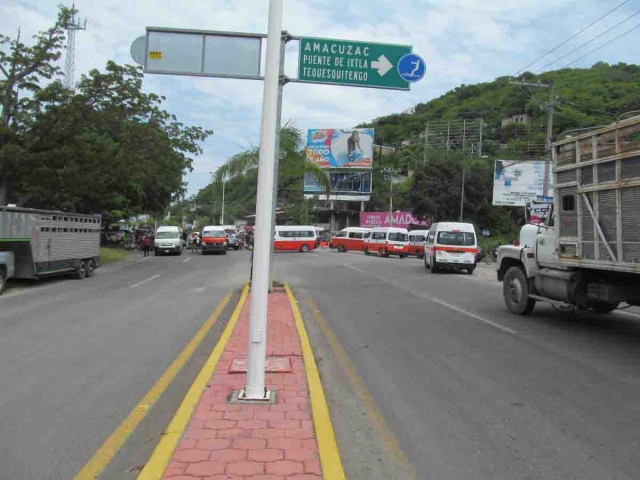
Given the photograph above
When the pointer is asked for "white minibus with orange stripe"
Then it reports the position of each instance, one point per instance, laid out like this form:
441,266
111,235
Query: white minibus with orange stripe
295,238
451,245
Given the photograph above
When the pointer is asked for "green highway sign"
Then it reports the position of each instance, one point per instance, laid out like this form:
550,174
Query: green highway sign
356,64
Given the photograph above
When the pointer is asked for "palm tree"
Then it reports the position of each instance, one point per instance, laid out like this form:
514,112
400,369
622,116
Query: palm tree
293,163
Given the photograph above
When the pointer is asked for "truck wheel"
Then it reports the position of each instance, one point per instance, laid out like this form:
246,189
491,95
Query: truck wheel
91,268
515,290
471,270
156,252
304,248
366,252
81,272
3,281
426,264
604,307
341,248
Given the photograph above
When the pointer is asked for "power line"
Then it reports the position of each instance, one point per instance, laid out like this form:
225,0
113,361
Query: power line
574,36
589,108
587,43
602,46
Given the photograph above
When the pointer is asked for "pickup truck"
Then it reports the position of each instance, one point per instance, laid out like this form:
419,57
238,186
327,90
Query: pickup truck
7,268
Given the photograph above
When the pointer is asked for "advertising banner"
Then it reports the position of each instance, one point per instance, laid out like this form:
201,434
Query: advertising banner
381,219
518,183
333,148
355,182
539,212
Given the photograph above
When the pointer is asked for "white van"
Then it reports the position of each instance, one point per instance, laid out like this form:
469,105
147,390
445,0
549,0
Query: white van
451,245
416,242
295,238
167,240
350,238
385,241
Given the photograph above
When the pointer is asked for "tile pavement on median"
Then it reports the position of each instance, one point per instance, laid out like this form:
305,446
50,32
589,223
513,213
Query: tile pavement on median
252,442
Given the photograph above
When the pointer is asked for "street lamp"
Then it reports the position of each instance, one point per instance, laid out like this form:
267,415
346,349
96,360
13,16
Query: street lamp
223,184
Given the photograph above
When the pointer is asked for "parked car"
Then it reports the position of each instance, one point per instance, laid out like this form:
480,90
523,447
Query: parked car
233,242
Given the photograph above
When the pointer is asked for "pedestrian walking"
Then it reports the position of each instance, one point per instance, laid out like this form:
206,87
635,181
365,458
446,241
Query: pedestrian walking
145,245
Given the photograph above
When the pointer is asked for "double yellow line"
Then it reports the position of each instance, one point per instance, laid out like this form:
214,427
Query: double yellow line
96,465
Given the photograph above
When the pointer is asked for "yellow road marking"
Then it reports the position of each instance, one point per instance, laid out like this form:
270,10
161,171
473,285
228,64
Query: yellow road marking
157,464
327,446
94,467
386,435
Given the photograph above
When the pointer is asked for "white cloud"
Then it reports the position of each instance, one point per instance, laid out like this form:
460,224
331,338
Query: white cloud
462,41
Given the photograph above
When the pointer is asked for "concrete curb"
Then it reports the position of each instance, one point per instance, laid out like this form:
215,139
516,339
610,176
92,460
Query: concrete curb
330,460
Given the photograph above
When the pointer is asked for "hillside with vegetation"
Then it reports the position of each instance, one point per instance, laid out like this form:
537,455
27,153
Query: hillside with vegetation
432,182
584,98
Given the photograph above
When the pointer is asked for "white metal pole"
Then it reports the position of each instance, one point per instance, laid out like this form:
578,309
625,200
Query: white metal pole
391,201
255,387
283,46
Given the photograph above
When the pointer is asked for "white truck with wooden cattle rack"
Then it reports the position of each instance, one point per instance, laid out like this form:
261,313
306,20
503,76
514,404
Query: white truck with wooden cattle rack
35,244
588,254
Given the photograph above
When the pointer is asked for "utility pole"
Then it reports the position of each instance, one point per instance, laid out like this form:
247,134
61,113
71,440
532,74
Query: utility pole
222,217
388,174
213,203
462,193
550,111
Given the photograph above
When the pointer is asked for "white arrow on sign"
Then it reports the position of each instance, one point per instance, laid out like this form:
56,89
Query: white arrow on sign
382,64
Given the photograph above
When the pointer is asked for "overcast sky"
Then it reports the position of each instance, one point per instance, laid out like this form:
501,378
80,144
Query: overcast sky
462,41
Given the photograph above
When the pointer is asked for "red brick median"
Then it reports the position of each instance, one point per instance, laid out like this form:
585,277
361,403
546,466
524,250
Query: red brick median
252,442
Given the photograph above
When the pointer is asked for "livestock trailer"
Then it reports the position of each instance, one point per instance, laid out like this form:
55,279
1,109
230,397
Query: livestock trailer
49,243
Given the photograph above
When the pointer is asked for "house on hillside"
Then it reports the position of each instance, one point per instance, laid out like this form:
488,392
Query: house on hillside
518,119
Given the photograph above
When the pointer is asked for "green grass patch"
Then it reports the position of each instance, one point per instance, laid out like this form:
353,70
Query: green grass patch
110,255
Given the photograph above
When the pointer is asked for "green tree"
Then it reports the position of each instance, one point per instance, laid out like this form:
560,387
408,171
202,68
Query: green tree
108,149
241,170
25,68
293,161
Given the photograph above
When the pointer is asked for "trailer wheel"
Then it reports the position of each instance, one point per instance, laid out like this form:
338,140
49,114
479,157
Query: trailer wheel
604,307
81,272
3,280
515,290
91,268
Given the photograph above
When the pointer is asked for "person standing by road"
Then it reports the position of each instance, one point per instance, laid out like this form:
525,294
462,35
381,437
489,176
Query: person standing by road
145,245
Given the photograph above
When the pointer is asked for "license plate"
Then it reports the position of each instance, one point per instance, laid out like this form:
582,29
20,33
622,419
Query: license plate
166,251
455,254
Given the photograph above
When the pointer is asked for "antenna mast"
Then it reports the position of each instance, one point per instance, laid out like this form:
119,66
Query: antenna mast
74,24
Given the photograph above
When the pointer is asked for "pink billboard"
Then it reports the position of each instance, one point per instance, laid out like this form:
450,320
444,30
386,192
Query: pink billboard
381,219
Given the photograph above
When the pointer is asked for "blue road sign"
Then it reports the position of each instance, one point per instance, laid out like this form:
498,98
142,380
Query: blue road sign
411,67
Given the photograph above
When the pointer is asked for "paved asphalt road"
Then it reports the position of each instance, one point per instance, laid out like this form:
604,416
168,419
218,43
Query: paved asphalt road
428,376
468,390
77,356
